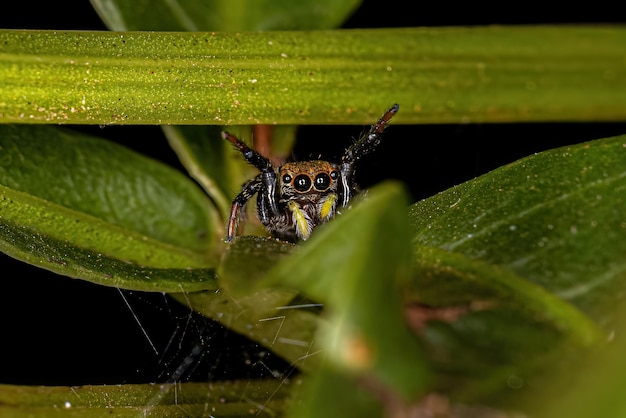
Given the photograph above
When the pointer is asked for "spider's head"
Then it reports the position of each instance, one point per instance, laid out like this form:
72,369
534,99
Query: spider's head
308,180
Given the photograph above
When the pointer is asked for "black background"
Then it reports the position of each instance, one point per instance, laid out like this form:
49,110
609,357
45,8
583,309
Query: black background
57,330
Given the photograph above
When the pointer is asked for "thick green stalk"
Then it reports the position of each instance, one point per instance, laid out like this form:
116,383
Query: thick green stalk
483,74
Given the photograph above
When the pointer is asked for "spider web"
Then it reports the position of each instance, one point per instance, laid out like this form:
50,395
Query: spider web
66,332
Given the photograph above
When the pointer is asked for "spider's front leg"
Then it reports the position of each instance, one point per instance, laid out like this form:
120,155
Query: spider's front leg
249,189
366,144
268,173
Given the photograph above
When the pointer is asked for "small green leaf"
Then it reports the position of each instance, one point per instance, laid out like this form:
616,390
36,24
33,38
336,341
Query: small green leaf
595,387
353,266
502,328
106,181
364,255
276,319
249,259
324,394
38,245
223,15
554,218
450,279
279,319
208,159
91,209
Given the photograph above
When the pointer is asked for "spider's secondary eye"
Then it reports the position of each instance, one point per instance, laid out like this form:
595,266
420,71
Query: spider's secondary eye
334,175
302,183
286,178
322,181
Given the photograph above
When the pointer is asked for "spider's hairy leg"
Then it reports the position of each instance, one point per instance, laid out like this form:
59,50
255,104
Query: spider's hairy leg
249,154
365,144
249,189
368,142
268,174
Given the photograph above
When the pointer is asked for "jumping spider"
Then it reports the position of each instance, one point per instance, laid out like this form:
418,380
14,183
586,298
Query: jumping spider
298,196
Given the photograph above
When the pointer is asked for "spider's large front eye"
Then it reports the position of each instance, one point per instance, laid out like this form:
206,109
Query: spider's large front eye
302,183
322,182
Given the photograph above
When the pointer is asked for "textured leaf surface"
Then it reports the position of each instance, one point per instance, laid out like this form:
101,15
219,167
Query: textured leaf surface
230,399
87,208
555,218
533,255
450,279
483,74
277,318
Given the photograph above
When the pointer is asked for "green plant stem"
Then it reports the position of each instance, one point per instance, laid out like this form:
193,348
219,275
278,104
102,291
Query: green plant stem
481,74
263,398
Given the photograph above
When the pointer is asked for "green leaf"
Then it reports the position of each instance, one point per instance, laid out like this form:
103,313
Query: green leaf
265,398
324,394
276,319
362,256
37,245
500,331
353,266
223,15
554,218
208,159
106,181
279,319
533,256
593,388
444,279
87,208
481,74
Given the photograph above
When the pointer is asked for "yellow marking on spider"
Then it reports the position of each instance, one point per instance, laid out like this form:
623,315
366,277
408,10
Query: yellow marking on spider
302,224
327,206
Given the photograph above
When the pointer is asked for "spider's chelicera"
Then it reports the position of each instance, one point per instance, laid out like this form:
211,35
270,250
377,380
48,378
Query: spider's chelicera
298,196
